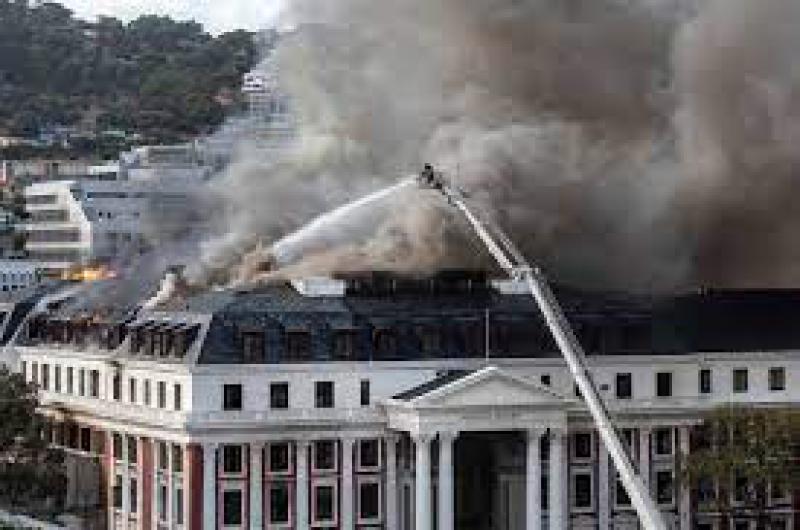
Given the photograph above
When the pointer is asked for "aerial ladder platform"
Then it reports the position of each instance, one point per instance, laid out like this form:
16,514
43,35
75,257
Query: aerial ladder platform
517,267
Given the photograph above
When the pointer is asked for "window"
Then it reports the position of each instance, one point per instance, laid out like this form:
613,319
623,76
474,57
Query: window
777,379
324,455
369,454
116,387
116,447
704,381
324,501
35,373
232,507
46,376
232,397
177,396
177,459
365,393
57,378
740,380
147,392
163,456
132,450
162,395
134,492
94,383
161,507
664,384
279,395
279,458
70,385
545,379
86,439
178,506
253,347
344,345
664,487
323,394
663,442
369,500
624,386
24,370
582,489
232,459
298,345
621,495
117,494
279,503
582,445
132,390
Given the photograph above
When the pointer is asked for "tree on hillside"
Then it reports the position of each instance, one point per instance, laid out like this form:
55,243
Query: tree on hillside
31,472
741,457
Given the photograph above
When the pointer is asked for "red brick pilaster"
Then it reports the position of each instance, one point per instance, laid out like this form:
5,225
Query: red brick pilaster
193,491
146,470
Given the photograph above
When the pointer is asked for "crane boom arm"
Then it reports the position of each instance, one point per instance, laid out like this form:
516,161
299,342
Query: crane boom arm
512,261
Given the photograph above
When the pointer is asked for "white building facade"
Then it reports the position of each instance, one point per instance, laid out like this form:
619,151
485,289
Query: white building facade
282,410
84,223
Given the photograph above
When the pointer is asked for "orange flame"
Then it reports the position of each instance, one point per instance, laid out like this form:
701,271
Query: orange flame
89,274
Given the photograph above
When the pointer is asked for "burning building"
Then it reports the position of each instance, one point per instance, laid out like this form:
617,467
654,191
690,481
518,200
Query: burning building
367,400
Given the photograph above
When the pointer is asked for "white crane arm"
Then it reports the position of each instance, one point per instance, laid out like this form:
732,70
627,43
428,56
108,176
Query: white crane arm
512,261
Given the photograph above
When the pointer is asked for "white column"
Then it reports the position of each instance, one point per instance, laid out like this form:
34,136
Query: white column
603,495
391,483
557,483
347,515
301,486
126,478
446,492
256,486
644,456
209,487
424,510
170,490
684,499
533,482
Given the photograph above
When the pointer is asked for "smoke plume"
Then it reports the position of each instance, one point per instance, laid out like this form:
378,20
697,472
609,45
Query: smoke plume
636,145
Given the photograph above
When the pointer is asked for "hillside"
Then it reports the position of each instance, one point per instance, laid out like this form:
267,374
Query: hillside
160,79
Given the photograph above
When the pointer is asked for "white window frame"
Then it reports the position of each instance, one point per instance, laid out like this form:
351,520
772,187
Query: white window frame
335,468
377,482
162,482
617,504
574,446
369,469
268,460
656,471
268,504
243,461
223,488
333,483
573,490
654,443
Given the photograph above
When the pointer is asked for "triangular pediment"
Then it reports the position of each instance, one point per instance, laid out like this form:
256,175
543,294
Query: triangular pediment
489,387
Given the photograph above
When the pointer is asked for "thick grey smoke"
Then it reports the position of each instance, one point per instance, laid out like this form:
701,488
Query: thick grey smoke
623,144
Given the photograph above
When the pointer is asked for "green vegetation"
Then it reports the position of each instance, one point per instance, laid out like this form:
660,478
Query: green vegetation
162,79
31,473
743,456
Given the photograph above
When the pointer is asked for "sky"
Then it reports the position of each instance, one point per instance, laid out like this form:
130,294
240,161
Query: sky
216,15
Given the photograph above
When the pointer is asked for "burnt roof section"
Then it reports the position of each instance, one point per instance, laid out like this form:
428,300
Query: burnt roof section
439,381
459,307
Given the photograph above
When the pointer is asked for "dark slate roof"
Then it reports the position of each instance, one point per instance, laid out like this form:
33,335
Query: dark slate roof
606,323
439,381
